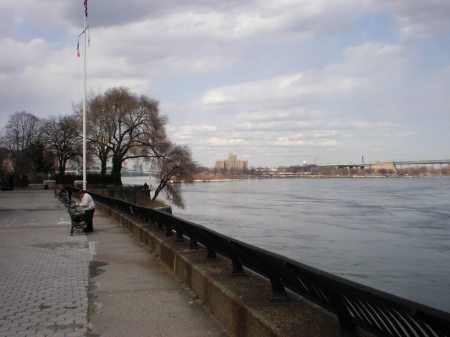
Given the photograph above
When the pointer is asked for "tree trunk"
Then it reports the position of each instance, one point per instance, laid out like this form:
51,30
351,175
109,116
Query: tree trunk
61,169
103,163
103,157
116,171
103,170
158,189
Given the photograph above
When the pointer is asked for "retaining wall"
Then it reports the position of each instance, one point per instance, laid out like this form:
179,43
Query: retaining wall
241,304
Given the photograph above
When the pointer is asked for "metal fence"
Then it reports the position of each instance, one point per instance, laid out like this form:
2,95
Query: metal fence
136,194
355,305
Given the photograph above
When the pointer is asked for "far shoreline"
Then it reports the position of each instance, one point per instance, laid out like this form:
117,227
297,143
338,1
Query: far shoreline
212,179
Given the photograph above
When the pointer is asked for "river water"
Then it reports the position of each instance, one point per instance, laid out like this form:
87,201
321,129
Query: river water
392,234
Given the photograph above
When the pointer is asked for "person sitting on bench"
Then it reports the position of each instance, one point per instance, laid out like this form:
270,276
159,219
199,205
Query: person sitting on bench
88,206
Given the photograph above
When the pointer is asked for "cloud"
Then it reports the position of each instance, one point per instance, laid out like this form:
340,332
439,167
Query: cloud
347,106
178,38
189,132
24,53
299,87
139,45
416,18
363,69
284,141
231,19
215,20
43,12
226,141
34,76
282,80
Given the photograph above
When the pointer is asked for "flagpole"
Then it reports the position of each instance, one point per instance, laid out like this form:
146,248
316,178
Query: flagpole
84,106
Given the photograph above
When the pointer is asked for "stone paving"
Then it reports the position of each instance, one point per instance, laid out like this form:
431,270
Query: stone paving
44,272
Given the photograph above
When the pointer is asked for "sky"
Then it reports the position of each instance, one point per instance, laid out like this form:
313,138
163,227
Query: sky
277,83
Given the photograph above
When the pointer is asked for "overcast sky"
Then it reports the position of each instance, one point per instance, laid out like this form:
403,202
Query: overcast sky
275,82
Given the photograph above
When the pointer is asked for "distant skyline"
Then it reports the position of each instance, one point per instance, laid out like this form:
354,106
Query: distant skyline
277,83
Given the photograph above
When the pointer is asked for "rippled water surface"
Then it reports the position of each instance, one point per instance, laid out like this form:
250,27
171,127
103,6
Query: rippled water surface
391,234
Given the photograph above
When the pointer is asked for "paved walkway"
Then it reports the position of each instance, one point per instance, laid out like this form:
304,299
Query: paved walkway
45,288
44,271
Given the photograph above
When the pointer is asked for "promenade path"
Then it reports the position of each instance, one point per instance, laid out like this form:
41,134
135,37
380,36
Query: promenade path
102,284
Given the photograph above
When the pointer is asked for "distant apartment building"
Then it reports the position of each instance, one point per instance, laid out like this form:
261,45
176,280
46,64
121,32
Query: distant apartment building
231,164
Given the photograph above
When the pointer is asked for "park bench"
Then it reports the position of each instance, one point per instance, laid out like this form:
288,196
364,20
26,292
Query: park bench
77,219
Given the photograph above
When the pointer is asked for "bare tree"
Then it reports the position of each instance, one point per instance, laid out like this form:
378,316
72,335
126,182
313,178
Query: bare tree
21,130
132,128
62,138
99,132
175,166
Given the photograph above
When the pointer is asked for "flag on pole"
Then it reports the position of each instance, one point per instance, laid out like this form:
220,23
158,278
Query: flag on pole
85,8
78,48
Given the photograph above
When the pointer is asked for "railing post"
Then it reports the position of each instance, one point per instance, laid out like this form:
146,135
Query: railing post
193,244
238,270
179,237
346,325
168,230
278,291
211,254
160,225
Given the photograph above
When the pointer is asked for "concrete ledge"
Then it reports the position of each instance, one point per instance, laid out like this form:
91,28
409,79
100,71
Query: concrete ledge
50,183
37,186
241,304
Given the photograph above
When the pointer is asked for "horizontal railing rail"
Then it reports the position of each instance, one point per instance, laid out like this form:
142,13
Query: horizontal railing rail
354,304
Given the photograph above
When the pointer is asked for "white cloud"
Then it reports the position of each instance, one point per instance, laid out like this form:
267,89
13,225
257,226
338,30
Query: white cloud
398,134
300,86
189,132
15,54
33,76
350,106
285,141
287,113
200,38
416,18
231,19
226,141
241,75
43,12
296,96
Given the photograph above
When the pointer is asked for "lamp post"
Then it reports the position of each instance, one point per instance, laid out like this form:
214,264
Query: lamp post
84,99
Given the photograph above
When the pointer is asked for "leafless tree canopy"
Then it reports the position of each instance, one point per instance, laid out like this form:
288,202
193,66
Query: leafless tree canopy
97,127
125,126
175,166
26,155
62,137
120,126
21,131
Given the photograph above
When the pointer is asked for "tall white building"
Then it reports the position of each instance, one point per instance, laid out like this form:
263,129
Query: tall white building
232,164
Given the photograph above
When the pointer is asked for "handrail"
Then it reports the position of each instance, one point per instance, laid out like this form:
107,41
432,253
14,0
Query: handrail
354,304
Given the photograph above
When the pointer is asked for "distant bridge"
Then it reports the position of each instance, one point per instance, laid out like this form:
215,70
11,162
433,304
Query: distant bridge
423,162
391,164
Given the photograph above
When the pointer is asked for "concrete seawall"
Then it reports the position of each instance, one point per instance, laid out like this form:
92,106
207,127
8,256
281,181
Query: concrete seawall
241,304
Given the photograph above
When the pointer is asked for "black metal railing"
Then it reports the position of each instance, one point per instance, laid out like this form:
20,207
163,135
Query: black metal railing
354,304
136,194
